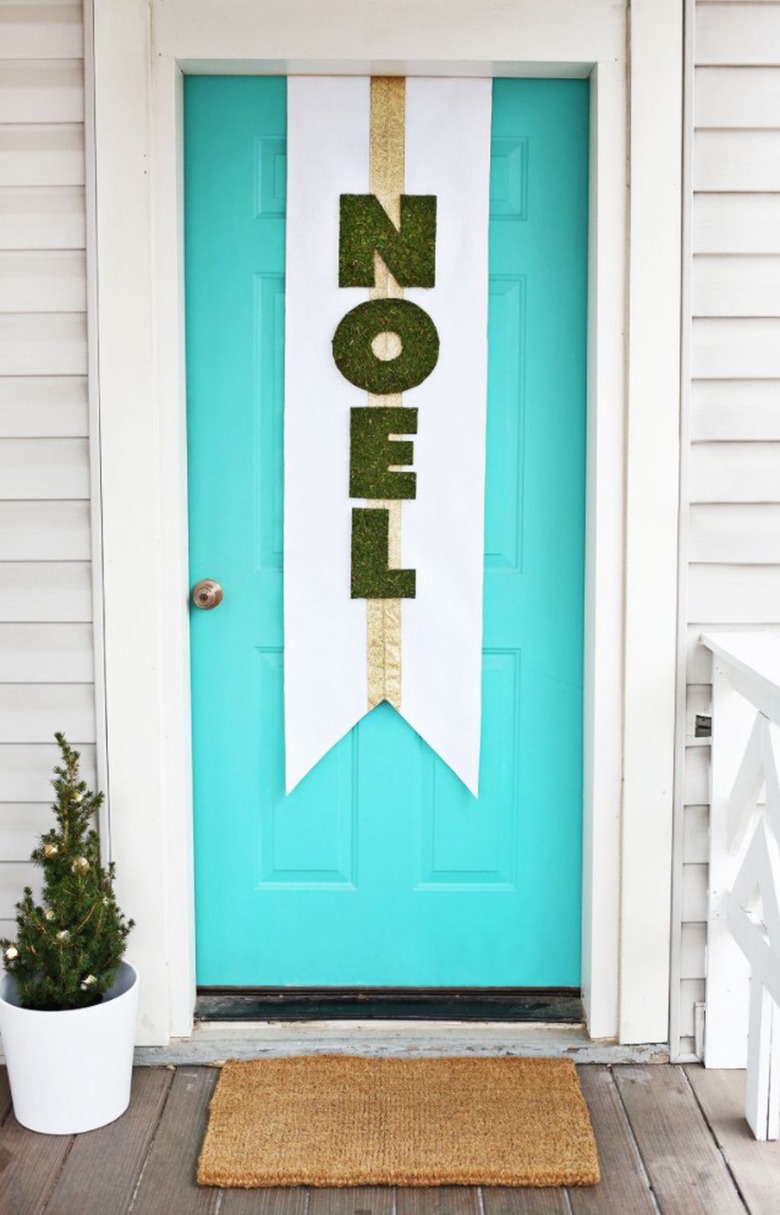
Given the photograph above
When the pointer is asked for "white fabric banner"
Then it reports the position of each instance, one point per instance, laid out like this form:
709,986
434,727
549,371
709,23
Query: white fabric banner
447,154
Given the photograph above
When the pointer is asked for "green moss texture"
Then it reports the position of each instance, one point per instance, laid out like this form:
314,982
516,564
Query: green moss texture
357,361
409,252
372,451
371,579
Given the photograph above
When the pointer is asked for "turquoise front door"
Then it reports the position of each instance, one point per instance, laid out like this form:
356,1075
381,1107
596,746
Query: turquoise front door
381,869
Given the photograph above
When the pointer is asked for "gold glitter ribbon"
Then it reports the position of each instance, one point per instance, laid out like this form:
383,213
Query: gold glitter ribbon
386,181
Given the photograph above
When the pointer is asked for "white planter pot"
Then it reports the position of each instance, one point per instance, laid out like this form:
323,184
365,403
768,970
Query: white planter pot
70,1071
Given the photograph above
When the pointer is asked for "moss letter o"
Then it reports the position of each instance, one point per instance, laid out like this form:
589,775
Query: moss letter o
355,357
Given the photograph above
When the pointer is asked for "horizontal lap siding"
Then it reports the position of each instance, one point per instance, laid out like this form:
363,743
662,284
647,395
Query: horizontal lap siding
46,640
46,643
736,223
738,35
733,538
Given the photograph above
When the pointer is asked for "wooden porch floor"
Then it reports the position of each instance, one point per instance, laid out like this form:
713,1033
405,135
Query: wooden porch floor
671,1140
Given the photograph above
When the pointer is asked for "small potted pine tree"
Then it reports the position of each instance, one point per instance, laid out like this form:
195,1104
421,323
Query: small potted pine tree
67,999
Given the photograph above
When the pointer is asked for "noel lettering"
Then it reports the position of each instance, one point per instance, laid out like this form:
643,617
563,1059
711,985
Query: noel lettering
384,346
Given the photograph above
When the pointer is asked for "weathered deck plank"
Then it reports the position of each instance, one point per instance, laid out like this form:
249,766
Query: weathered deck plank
756,1166
281,1201
29,1165
102,1170
168,1182
5,1094
648,1122
624,1186
361,1200
437,1200
497,1200
687,1171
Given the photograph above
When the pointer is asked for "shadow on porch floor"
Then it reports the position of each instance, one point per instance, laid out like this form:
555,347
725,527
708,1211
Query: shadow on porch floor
671,1139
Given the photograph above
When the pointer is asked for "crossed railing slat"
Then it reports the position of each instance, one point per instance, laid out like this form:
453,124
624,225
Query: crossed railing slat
743,993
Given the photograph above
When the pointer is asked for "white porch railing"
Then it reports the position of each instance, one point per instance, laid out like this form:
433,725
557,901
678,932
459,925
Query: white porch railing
743,940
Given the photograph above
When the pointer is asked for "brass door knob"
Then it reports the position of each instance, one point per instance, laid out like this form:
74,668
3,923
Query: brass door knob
207,594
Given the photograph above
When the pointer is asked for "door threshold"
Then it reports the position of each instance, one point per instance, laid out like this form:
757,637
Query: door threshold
506,1004
213,1042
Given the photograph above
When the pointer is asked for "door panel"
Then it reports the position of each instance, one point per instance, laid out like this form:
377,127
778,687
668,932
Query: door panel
381,869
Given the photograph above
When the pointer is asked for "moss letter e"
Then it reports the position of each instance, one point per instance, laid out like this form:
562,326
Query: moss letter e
409,252
372,451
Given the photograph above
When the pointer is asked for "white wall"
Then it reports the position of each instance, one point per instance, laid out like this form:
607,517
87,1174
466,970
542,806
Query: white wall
46,645
732,532
141,420
631,612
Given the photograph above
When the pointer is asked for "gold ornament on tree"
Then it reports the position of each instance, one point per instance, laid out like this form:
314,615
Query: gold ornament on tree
69,946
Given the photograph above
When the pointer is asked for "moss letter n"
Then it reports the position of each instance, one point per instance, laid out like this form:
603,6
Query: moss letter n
409,252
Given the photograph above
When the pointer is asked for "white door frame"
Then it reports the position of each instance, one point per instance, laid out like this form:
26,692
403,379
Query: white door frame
140,52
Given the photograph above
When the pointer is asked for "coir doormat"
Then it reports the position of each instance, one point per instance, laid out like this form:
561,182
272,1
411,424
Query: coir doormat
336,1120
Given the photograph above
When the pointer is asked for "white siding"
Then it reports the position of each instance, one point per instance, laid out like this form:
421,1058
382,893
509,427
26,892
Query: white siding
733,534
733,544
738,34
46,643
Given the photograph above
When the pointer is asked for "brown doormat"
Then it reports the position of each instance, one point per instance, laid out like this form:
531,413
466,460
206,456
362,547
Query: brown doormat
339,1120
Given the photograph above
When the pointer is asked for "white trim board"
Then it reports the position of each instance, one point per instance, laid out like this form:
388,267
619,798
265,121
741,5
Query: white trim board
652,505
677,1051
96,491
142,395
